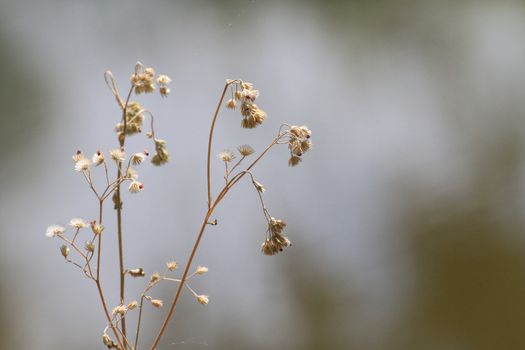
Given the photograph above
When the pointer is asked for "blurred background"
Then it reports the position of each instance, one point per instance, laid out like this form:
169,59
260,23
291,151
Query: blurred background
406,217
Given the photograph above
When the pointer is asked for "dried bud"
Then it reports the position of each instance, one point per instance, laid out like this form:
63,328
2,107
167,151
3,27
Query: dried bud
203,299
155,277
64,249
157,303
98,158
231,104
171,265
201,270
137,272
96,228
259,186
90,247
119,310
78,156
132,305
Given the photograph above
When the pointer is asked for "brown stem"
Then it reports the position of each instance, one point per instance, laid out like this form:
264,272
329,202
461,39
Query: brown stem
210,139
99,286
209,213
119,217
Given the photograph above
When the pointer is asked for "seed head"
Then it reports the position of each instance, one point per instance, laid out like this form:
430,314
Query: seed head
55,230
78,223
82,164
226,156
245,150
118,154
138,158
135,186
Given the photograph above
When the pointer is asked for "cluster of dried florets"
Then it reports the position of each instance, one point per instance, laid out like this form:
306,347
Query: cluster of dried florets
298,143
244,93
275,241
143,81
134,119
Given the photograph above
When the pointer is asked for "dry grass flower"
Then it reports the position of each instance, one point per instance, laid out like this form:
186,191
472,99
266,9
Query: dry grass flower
121,172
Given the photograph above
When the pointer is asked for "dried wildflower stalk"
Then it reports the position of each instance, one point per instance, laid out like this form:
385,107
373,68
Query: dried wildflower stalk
87,257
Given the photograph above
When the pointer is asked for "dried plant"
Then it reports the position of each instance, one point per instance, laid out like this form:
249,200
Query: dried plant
82,247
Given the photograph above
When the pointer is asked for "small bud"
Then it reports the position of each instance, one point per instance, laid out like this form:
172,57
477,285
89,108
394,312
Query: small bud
155,277
203,299
201,270
78,156
98,158
259,186
137,272
96,228
90,247
231,104
120,310
157,303
64,249
172,265
132,305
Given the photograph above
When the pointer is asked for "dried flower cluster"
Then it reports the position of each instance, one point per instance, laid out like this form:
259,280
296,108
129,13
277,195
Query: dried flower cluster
86,256
244,93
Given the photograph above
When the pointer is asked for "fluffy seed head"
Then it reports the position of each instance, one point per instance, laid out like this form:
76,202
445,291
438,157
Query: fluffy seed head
245,150
138,158
135,186
118,154
82,164
119,310
55,230
78,223
226,156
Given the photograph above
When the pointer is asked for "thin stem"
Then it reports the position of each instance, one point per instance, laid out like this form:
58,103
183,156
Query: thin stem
209,213
210,139
119,216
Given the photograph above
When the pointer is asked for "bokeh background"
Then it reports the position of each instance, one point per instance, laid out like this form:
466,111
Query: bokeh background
406,218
